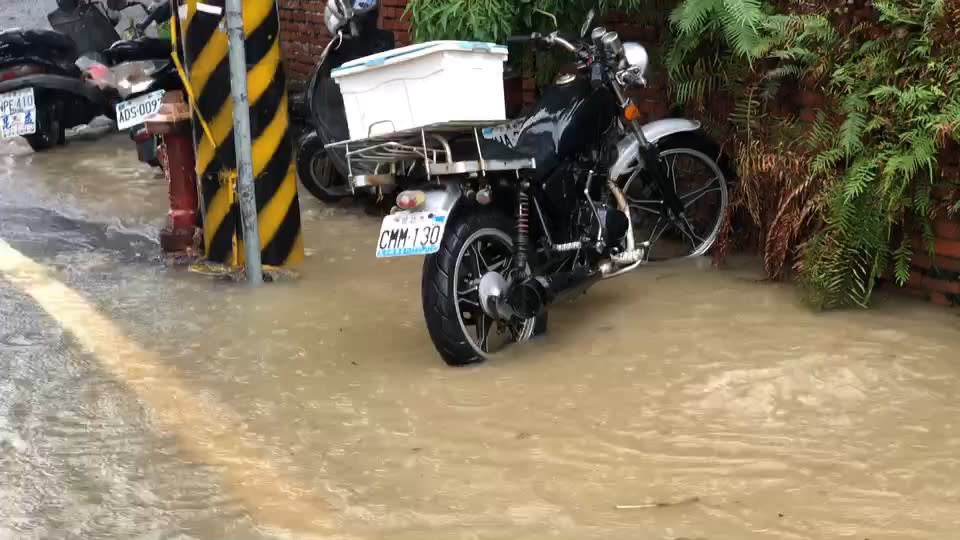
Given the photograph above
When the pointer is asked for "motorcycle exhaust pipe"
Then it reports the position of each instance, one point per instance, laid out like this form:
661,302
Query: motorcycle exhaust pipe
528,298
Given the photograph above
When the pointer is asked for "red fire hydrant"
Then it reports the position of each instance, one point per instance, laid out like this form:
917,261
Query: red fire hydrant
173,128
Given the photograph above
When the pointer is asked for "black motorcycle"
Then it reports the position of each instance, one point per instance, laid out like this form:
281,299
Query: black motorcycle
512,220
42,91
354,31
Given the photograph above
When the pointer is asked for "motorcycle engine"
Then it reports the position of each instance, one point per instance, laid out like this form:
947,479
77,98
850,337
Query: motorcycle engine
564,198
585,223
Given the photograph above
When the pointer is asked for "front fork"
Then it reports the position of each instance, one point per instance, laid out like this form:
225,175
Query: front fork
676,211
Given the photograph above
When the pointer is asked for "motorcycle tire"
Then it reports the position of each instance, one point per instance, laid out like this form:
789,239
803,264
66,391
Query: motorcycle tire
50,129
697,148
439,288
317,173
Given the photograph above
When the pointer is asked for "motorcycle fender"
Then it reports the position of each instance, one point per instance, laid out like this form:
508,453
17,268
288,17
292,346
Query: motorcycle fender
628,149
444,201
56,83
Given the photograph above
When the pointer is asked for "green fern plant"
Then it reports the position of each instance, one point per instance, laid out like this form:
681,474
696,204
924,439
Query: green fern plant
495,20
893,100
895,97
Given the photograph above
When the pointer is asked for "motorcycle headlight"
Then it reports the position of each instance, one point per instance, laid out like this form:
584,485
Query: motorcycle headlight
636,56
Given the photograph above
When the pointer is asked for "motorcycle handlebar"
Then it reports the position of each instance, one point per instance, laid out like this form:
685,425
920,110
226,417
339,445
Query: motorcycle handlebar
523,39
160,13
551,39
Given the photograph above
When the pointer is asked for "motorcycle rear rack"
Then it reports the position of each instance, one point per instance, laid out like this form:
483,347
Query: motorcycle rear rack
388,152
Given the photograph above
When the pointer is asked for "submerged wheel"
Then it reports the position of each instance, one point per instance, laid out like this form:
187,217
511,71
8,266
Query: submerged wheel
461,331
702,186
317,173
50,128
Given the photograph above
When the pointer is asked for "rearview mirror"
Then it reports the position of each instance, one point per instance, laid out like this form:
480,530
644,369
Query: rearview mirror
548,15
588,23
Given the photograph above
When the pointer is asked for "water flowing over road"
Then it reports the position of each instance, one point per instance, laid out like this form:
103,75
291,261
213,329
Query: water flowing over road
145,401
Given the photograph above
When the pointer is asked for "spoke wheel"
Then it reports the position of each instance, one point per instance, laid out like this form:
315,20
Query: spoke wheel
703,189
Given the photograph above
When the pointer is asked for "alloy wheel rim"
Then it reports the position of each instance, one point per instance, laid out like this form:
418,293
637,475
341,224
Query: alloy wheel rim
486,250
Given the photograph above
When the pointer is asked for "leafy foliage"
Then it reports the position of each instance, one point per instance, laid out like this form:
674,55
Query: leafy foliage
897,95
495,20
891,101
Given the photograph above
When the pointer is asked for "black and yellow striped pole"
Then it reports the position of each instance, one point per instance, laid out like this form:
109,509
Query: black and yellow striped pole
208,68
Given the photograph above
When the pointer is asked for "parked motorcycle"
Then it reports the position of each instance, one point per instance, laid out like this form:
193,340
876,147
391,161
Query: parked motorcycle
134,74
42,92
353,27
577,192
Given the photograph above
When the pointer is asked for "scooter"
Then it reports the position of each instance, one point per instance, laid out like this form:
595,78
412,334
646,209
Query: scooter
143,72
132,73
353,27
42,91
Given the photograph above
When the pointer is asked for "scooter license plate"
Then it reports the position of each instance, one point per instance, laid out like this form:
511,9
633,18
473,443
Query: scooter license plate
411,233
138,110
18,113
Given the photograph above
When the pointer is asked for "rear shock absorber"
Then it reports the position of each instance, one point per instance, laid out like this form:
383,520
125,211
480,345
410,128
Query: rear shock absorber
523,229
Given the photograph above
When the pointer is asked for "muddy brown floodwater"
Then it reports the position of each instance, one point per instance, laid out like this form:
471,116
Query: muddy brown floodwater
676,402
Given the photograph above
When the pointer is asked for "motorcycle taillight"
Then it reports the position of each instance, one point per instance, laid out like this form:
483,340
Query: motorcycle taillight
20,71
139,135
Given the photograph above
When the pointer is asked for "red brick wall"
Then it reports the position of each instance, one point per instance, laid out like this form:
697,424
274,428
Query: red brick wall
937,279
302,37
391,18
303,34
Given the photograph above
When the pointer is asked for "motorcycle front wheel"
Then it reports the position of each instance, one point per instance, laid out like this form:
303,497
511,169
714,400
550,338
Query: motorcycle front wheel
463,334
693,165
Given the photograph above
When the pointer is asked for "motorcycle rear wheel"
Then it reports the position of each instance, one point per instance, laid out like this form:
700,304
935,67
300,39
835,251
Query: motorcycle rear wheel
50,129
460,330
317,173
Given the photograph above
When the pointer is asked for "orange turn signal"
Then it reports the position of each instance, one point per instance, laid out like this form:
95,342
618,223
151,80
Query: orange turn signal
631,112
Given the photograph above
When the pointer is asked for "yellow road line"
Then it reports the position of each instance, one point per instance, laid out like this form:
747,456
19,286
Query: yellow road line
209,430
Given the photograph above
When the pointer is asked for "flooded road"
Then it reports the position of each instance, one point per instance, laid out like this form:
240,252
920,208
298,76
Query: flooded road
139,401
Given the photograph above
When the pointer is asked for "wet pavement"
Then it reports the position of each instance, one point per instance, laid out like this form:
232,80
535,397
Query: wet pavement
140,401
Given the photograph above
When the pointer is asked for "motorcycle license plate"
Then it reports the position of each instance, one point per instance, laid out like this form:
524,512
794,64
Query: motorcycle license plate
138,110
411,233
18,113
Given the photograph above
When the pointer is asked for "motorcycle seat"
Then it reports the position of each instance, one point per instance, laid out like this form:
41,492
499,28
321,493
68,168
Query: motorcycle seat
48,40
139,49
466,147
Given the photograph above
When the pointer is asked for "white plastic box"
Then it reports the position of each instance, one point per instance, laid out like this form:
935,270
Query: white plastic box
437,81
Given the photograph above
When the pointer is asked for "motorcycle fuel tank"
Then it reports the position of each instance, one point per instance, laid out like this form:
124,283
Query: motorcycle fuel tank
569,118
